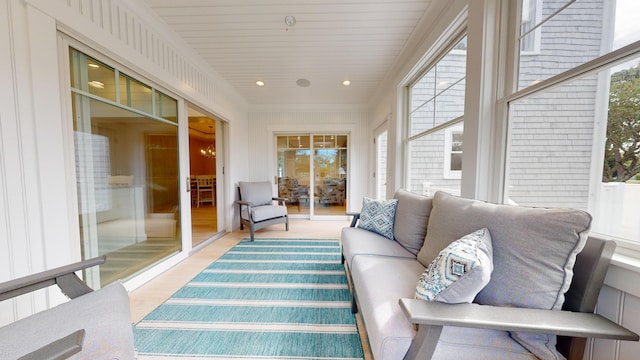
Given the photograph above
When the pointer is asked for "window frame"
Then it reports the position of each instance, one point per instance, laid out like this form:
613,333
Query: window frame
598,64
449,47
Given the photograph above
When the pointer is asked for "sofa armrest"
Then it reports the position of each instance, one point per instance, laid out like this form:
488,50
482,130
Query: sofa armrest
356,217
64,277
60,349
437,315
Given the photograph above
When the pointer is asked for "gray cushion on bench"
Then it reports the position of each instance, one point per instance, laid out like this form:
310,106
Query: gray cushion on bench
534,250
356,241
104,314
380,281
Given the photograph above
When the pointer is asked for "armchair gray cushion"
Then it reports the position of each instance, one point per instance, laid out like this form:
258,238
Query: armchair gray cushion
256,193
534,250
265,212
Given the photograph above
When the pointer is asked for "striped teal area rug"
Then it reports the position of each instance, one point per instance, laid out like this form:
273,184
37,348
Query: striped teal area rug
268,299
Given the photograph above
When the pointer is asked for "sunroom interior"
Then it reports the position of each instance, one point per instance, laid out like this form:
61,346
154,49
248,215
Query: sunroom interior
116,114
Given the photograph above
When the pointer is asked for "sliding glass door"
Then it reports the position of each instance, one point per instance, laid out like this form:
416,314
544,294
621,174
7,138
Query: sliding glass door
312,173
126,158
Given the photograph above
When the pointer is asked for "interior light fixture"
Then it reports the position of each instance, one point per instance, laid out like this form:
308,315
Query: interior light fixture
260,83
95,66
210,151
346,82
96,84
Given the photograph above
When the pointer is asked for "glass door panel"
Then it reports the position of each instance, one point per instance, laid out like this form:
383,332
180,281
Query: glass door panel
294,173
126,160
317,187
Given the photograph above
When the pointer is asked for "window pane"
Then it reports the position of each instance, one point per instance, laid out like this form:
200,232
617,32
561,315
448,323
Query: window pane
579,33
438,96
92,76
128,211
578,146
136,95
429,164
166,107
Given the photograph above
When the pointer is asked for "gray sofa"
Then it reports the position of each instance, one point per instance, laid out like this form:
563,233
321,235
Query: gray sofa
92,325
532,253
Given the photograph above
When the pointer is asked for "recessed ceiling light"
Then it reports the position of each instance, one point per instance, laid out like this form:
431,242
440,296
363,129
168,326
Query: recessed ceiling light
96,84
260,83
346,82
303,82
95,66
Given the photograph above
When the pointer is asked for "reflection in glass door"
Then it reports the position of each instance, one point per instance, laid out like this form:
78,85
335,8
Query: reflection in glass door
126,159
317,187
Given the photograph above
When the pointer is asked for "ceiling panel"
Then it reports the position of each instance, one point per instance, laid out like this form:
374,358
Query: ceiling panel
248,40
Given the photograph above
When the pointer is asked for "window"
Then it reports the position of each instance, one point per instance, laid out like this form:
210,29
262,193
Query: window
529,29
453,153
573,138
434,143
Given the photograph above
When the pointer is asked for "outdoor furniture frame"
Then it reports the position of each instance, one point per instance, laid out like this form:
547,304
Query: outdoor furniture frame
573,325
93,324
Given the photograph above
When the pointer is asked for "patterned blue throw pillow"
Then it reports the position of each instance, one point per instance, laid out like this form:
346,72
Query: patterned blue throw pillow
459,271
378,216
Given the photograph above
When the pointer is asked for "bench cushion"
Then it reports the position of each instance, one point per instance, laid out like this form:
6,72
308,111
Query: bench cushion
356,241
381,281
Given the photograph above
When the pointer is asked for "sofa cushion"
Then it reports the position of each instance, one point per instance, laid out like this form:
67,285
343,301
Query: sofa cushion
412,215
104,314
256,193
379,282
378,216
479,344
534,250
356,241
460,271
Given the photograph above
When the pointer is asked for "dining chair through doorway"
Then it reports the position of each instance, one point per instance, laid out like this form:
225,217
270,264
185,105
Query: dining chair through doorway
206,189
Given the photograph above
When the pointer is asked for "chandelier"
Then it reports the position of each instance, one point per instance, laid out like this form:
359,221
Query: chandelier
210,150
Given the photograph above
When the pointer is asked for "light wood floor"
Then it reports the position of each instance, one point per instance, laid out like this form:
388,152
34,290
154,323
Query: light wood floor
155,292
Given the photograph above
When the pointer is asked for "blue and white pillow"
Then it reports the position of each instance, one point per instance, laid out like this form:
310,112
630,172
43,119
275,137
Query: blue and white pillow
378,216
459,271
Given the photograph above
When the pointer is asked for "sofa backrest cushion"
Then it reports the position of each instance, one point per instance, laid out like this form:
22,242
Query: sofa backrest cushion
412,215
256,193
534,249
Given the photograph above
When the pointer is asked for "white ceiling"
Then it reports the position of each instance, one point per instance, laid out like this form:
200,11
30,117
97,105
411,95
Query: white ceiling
333,40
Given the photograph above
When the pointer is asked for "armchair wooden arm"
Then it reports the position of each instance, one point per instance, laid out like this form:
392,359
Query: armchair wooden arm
567,323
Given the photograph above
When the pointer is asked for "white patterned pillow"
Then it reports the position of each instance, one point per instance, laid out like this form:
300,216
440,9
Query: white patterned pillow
378,216
459,271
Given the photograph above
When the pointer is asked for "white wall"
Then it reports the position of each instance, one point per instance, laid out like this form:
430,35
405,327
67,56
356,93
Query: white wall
38,210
